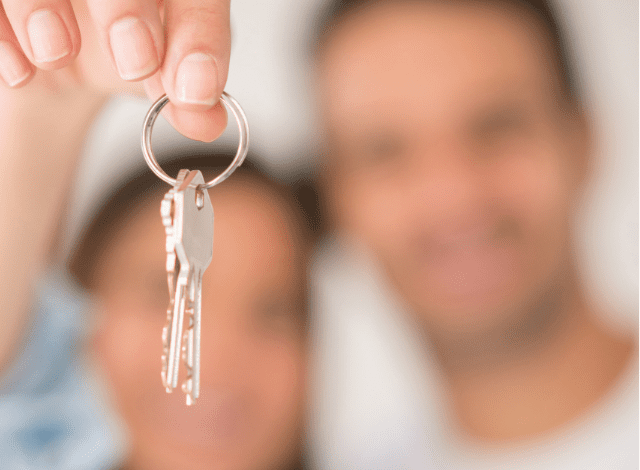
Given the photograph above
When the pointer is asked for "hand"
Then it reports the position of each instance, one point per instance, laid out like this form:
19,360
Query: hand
187,58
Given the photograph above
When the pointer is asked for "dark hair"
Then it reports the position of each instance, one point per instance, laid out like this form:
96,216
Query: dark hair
138,192
336,11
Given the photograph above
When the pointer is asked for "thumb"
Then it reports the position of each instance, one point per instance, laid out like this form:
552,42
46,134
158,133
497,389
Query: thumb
195,67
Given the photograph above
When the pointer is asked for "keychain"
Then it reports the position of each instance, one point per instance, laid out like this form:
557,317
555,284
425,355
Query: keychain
187,215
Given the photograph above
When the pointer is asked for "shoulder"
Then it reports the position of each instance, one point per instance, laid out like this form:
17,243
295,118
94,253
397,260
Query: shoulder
49,409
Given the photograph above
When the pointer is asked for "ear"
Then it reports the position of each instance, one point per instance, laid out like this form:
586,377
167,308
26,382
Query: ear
331,187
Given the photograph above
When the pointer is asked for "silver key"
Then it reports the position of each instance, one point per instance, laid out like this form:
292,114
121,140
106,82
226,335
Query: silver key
166,210
188,218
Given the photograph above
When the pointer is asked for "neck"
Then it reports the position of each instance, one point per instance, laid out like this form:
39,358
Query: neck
539,386
148,455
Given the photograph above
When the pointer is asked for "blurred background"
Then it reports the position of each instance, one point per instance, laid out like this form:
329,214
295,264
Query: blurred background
270,77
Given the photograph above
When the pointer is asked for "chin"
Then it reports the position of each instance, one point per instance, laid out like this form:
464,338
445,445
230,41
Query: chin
469,310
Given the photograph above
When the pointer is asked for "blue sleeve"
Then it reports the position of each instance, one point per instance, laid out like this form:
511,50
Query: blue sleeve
50,416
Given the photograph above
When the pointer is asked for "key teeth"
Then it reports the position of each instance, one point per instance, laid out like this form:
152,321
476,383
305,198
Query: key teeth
165,346
167,215
163,375
166,210
187,388
170,248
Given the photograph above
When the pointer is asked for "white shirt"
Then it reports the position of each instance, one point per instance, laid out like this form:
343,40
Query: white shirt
376,397
604,438
369,388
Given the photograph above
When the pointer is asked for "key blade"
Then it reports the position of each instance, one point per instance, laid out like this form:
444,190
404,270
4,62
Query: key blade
197,319
175,344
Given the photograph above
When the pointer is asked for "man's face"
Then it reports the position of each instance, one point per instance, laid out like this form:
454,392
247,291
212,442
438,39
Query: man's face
452,156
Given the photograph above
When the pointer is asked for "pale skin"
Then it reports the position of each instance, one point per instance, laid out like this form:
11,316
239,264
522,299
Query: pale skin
454,155
53,87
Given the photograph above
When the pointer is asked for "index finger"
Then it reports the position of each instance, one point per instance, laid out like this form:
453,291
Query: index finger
131,33
46,31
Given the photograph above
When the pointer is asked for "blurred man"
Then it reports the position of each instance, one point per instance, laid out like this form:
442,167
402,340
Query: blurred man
457,151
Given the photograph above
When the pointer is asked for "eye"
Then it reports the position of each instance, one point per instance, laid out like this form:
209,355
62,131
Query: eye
382,148
500,124
376,150
277,316
155,288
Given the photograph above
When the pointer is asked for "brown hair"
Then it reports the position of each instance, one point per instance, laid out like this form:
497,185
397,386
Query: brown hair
142,188
337,11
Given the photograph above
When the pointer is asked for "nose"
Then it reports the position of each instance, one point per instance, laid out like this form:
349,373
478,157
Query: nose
223,352
446,185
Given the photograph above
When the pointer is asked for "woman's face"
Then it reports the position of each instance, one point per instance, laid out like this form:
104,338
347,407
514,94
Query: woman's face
249,411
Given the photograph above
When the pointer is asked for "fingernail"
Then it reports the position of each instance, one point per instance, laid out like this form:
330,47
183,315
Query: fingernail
197,79
133,48
48,35
12,67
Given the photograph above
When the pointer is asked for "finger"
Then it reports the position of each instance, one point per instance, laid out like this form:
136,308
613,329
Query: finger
15,68
197,60
205,126
131,33
46,31
195,67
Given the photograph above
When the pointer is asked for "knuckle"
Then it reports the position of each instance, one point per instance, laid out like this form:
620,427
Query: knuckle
210,15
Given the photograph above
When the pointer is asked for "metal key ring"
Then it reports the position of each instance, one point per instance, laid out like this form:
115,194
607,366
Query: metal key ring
243,146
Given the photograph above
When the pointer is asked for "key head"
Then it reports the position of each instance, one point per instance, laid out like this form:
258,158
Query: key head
193,221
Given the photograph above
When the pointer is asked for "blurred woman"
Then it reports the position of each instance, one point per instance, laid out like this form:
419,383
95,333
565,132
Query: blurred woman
253,364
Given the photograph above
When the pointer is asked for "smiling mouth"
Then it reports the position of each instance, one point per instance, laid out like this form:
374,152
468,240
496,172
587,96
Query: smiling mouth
469,264
442,243
225,417
221,419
